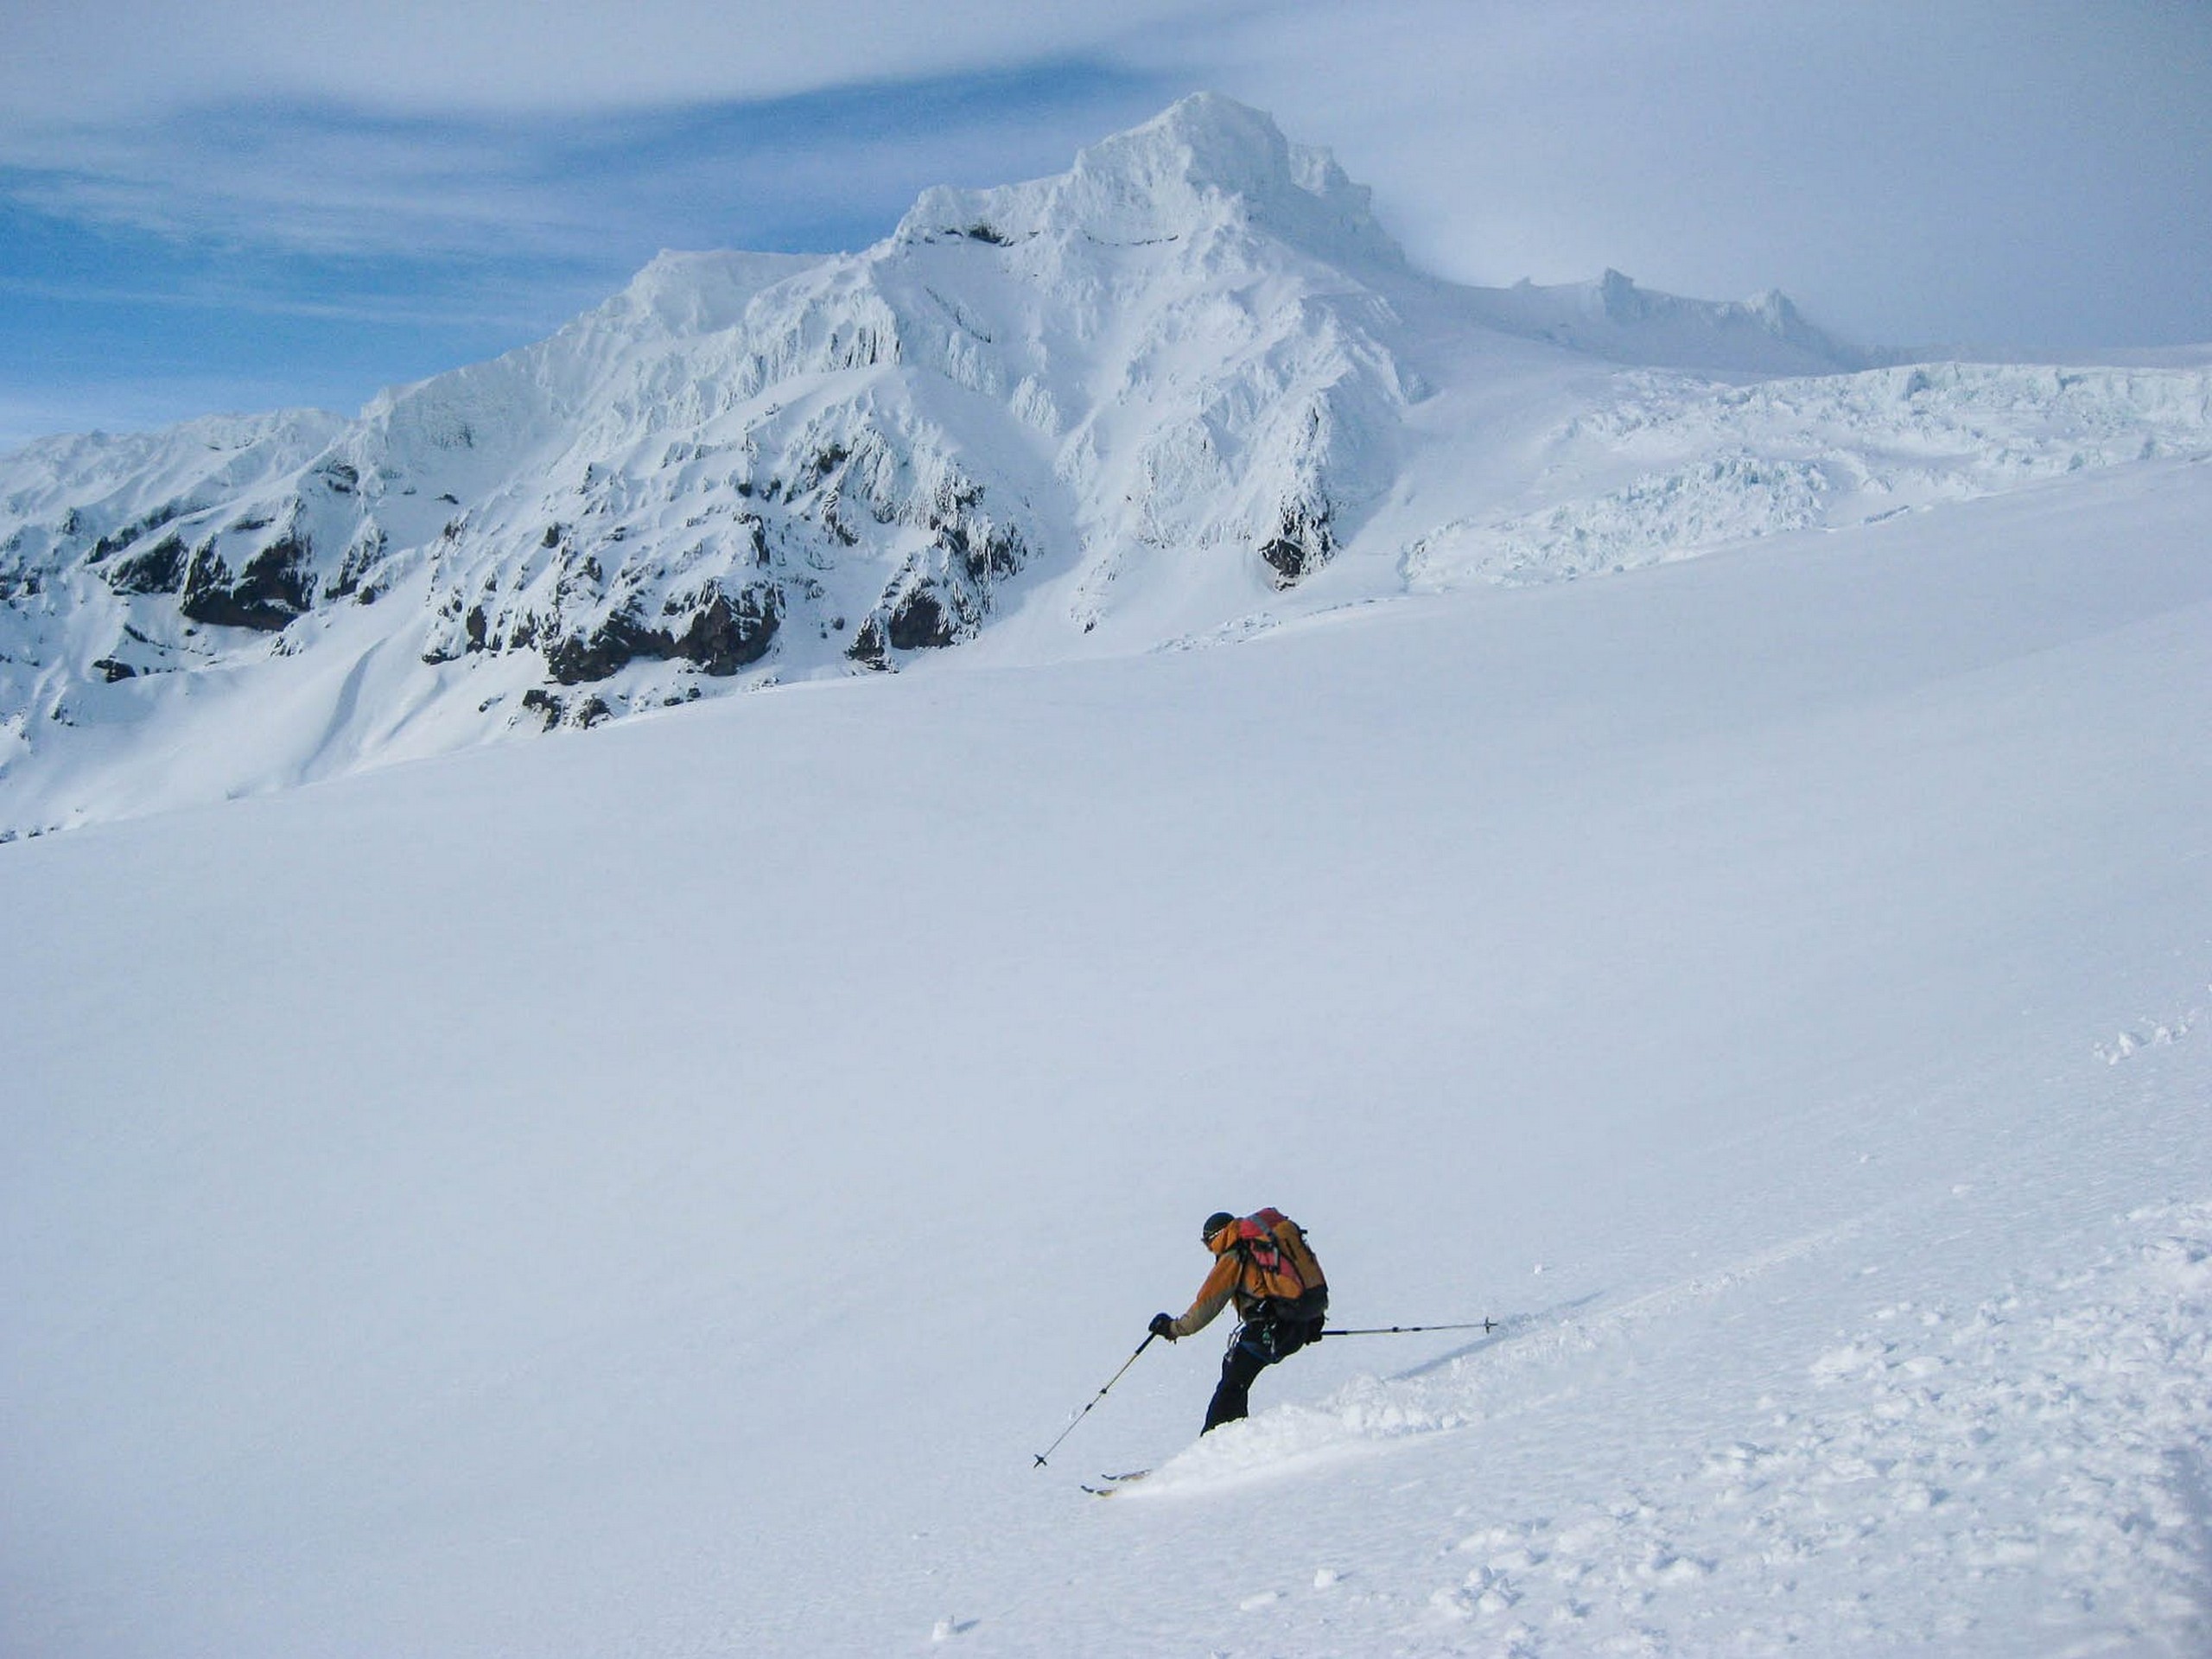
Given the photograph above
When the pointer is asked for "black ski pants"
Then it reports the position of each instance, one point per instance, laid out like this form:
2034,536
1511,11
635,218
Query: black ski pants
1258,1345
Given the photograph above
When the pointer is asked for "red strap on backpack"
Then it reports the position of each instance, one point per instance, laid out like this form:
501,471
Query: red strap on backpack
1257,1244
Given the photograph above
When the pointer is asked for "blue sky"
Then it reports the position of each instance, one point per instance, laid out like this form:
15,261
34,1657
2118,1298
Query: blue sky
234,205
125,300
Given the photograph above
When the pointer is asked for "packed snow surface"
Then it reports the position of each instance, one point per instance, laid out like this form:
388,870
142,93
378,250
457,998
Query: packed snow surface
652,1192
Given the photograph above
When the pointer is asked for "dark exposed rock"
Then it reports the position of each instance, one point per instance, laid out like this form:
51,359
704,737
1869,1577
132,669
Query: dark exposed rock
275,586
718,634
131,532
358,559
338,477
112,671
942,596
998,552
1301,544
867,648
919,621
159,570
557,711
582,658
724,635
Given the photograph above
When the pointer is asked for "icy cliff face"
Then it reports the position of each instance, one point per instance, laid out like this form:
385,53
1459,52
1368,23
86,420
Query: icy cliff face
1128,404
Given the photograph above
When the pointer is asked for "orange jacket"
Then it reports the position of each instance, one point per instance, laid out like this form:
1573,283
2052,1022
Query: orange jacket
1225,1281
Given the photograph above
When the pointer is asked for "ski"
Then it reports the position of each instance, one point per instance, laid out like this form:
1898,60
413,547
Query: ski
1115,1483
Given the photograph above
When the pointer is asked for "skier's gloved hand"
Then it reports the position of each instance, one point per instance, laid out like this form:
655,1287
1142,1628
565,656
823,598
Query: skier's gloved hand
1163,1324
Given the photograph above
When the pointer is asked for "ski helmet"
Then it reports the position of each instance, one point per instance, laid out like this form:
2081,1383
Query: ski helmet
1215,1223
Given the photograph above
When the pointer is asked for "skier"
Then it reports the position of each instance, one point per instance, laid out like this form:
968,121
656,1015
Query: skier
1264,1264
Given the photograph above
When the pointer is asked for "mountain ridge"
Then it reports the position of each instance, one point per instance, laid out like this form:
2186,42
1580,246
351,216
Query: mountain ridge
1189,381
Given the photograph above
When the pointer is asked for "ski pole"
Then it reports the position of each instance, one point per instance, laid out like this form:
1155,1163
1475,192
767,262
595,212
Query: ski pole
1408,1330
1095,1399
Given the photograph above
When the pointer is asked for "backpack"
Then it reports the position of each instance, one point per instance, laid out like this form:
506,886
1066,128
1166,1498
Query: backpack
1281,1269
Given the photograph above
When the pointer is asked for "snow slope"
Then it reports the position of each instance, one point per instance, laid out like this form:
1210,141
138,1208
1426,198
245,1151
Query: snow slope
651,1193
1189,386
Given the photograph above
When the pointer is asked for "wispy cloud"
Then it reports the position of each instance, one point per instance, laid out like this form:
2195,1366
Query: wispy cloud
108,61
332,180
417,242
401,184
410,310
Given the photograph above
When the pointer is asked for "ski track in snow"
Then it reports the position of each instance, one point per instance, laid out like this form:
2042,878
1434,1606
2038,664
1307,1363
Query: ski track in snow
1936,1475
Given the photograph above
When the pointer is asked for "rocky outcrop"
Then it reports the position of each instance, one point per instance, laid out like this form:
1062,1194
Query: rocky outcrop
155,569
117,540
1300,545
723,635
715,633
942,595
923,615
354,579
273,587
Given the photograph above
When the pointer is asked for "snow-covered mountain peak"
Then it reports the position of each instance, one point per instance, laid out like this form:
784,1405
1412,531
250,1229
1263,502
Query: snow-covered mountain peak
1206,162
1130,405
